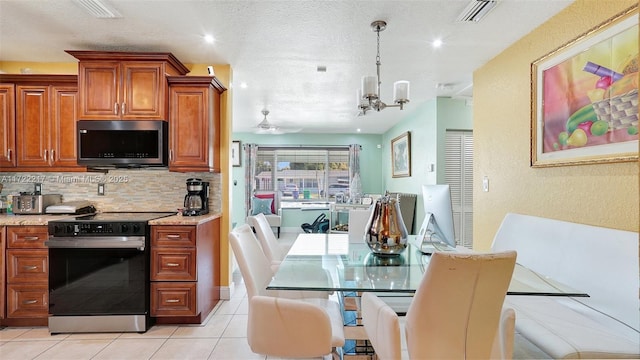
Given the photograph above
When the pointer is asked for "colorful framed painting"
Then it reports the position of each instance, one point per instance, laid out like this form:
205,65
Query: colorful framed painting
401,155
235,153
585,97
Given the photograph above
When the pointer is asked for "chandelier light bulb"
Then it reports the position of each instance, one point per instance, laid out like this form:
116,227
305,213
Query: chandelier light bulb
401,91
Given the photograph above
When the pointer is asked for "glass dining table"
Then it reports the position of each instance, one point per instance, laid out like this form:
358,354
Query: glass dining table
352,267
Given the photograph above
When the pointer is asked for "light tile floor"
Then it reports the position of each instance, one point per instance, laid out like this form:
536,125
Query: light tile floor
221,336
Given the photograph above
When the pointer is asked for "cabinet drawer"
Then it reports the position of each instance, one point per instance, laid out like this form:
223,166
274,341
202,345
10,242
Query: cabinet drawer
173,236
27,236
27,301
173,299
27,266
173,264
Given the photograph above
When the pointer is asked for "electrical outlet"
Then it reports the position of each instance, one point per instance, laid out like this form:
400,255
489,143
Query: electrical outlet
101,189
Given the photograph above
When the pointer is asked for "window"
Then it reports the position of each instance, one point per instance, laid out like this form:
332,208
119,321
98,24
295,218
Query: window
303,172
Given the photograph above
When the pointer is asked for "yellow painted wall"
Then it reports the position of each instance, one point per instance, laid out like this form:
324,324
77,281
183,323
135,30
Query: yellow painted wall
602,194
225,74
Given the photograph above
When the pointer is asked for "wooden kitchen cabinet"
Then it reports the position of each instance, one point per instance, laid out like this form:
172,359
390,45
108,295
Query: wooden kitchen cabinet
3,282
43,128
125,86
185,271
7,126
27,276
194,123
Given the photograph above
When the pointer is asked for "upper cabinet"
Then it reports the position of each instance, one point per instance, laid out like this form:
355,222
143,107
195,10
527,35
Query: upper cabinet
7,126
39,122
125,86
194,123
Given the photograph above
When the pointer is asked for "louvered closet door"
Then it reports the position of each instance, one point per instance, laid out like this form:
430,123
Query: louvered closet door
459,176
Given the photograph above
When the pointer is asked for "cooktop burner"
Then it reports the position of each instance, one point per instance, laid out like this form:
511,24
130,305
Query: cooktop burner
121,216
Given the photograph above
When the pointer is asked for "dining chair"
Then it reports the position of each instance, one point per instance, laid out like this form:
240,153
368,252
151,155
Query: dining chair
270,246
456,313
283,323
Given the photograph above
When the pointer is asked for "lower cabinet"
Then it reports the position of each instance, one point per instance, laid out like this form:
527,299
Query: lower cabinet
185,271
27,274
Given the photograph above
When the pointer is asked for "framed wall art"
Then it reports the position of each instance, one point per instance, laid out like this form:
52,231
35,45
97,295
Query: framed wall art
401,155
585,97
235,153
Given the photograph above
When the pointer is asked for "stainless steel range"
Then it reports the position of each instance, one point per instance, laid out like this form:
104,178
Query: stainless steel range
99,272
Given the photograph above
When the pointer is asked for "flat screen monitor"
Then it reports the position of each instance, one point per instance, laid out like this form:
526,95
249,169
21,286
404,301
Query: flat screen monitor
437,204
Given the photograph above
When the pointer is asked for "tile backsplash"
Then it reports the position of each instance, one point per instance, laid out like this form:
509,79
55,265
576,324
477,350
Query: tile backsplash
125,190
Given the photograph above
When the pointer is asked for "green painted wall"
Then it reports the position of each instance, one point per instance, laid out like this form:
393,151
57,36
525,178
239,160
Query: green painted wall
428,125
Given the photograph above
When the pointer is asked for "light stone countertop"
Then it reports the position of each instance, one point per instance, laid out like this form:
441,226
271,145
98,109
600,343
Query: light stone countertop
43,219
185,220
26,220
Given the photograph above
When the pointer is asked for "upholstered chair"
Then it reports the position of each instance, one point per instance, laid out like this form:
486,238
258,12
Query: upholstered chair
270,246
267,203
456,313
283,323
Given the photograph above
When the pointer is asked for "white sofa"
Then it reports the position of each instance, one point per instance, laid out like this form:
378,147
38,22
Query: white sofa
599,261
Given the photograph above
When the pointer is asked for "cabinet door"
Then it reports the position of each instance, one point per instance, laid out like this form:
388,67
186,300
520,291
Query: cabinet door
3,283
32,125
189,123
99,85
144,89
7,126
64,114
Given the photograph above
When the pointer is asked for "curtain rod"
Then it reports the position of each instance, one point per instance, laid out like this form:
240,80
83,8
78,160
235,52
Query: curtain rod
303,147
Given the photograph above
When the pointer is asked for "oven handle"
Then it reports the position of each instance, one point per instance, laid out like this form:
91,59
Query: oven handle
94,242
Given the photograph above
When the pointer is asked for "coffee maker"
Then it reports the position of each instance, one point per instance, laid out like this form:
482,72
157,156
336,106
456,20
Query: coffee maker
196,202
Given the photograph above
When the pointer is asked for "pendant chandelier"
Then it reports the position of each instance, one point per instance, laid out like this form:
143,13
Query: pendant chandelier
369,93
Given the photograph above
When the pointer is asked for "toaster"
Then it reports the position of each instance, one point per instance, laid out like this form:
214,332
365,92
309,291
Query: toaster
34,204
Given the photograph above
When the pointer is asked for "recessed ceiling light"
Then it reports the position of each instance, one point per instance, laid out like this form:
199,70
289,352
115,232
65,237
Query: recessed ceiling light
436,43
243,85
358,130
209,39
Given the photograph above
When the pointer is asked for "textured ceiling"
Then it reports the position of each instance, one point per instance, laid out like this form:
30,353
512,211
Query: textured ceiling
276,46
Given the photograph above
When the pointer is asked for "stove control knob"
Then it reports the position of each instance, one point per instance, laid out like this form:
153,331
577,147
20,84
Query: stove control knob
124,228
136,228
69,229
57,229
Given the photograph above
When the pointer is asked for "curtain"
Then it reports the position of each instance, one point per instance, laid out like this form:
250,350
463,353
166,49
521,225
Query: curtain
355,184
250,155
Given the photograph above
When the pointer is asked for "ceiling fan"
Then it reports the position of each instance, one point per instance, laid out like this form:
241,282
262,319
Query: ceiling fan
265,127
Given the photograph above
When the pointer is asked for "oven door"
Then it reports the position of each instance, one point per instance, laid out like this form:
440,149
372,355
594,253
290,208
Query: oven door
98,281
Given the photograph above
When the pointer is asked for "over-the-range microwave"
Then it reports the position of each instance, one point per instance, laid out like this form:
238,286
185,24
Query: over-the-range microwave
122,143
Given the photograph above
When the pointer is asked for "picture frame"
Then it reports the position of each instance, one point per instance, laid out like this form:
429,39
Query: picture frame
236,154
584,97
401,155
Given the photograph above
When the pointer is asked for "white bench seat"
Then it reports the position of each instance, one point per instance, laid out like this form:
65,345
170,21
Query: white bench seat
599,261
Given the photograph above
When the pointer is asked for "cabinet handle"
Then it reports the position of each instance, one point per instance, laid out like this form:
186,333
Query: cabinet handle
53,155
115,109
170,155
31,238
9,154
29,267
173,264
46,155
29,302
172,301
124,108
173,236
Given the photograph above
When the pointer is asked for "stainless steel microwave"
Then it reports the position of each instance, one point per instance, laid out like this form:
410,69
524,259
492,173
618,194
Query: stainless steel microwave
122,143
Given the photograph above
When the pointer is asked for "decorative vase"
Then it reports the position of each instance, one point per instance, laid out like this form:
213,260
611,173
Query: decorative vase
386,234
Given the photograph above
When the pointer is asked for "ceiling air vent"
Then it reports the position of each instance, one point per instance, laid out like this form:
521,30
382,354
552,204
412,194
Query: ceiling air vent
476,10
99,9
